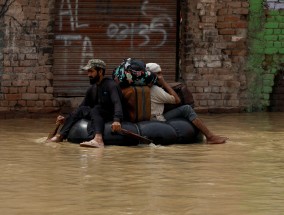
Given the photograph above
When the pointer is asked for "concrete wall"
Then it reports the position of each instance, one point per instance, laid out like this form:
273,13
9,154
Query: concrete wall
230,53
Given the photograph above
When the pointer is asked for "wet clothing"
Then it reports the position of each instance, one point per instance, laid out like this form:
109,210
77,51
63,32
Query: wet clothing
102,103
159,97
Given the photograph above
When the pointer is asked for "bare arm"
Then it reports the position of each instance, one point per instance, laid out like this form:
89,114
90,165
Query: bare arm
167,87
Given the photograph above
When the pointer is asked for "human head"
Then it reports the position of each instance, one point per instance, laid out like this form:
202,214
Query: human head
153,67
96,64
96,70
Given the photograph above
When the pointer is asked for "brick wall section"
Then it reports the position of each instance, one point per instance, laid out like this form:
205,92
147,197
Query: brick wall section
26,82
266,57
216,49
1,57
228,62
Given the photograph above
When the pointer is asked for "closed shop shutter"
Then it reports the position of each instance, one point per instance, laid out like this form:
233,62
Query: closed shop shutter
111,31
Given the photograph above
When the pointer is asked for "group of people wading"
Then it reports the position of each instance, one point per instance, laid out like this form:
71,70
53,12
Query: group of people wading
103,101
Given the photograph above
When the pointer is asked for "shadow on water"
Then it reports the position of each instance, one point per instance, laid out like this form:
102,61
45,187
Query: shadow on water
244,176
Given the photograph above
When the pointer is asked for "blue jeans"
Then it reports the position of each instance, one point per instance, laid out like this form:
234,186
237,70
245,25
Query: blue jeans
184,111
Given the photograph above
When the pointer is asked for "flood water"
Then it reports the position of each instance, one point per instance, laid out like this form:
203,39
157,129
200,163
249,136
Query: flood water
245,176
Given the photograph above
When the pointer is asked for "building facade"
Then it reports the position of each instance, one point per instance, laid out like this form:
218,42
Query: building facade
229,53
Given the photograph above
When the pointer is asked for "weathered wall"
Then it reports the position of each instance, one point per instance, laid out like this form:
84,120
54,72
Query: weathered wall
26,81
230,53
277,95
215,54
266,56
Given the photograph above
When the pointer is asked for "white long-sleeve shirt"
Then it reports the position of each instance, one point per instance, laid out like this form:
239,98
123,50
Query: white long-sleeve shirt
159,97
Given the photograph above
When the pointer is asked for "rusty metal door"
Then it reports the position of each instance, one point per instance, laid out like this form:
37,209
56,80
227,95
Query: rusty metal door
111,31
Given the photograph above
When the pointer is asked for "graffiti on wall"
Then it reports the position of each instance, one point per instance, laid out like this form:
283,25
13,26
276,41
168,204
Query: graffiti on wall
69,21
66,9
122,31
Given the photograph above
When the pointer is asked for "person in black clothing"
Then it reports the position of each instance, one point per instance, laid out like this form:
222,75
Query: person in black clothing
102,103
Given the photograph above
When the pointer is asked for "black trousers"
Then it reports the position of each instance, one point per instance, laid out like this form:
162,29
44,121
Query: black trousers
97,115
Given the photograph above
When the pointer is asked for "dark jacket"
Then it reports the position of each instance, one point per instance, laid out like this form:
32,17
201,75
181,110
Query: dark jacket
108,95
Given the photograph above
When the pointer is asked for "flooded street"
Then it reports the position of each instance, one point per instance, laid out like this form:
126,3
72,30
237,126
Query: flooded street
245,176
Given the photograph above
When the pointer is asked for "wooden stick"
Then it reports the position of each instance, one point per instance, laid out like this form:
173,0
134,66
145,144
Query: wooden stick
53,133
137,136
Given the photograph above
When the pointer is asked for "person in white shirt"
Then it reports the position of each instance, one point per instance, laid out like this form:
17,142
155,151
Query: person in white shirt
166,95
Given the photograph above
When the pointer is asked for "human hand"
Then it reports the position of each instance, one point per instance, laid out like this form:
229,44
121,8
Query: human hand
160,79
60,120
159,76
116,127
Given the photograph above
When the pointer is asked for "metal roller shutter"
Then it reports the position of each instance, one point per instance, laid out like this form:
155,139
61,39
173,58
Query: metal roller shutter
111,31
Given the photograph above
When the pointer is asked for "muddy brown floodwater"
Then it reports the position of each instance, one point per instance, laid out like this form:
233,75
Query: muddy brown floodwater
245,176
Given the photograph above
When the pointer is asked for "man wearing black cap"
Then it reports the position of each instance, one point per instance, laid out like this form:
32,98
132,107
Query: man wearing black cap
102,103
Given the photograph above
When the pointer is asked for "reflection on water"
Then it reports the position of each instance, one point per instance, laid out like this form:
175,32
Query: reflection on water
244,176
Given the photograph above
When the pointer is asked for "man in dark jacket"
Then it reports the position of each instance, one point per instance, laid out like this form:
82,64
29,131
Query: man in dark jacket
102,103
